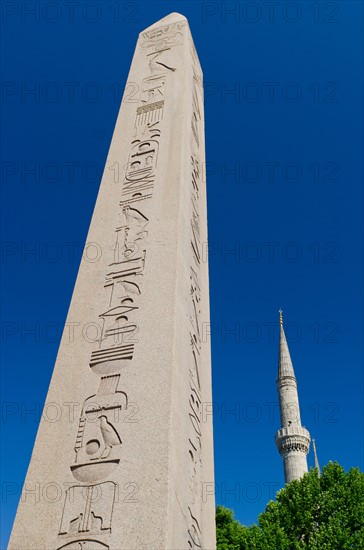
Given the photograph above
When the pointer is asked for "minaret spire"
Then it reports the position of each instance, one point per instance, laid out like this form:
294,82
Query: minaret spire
293,440
317,465
285,366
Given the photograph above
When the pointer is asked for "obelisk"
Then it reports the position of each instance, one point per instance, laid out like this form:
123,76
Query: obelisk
125,464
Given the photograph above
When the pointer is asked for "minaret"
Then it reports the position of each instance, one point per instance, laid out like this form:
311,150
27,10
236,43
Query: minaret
293,441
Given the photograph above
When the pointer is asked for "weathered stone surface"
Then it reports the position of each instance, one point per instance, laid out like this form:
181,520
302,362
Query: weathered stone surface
127,463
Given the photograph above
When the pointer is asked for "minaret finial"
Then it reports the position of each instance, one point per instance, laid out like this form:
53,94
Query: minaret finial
280,316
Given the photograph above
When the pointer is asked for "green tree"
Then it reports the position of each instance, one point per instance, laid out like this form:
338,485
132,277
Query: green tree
313,513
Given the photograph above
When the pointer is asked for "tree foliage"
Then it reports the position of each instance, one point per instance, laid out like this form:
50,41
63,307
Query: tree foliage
313,513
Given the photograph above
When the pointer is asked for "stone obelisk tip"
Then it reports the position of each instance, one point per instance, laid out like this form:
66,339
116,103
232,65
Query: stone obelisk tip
169,19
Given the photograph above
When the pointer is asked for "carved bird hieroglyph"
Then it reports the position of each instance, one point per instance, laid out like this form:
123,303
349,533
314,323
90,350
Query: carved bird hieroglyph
109,435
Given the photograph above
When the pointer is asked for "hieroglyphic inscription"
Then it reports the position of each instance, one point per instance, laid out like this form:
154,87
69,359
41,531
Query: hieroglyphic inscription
197,73
151,101
195,442
163,37
194,532
125,278
98,444
98,441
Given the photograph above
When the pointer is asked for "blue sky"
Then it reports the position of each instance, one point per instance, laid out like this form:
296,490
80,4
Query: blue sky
283,108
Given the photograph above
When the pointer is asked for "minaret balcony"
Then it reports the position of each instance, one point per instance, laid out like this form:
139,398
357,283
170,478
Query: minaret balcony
293,438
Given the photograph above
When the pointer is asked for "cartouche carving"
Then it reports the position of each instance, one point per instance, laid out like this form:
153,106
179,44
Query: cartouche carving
98,439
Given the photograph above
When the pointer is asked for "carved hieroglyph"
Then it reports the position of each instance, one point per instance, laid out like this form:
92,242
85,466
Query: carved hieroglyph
131,453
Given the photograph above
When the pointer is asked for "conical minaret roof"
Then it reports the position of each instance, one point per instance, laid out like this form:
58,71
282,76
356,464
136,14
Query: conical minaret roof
285,367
